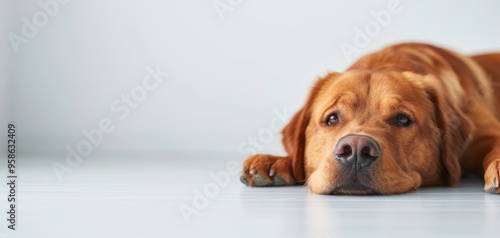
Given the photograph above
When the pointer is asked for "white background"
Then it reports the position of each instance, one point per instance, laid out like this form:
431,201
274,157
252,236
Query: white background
227,76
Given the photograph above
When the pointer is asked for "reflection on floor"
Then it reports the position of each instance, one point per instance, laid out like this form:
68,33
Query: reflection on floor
180,194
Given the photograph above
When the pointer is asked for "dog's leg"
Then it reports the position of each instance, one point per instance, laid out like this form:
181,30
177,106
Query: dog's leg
488,140
491,166
267,170
491,163
483,154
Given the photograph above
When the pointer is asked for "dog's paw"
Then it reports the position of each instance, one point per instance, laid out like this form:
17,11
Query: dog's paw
267,170
492,177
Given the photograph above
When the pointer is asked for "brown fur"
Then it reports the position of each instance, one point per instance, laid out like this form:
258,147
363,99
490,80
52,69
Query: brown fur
450,99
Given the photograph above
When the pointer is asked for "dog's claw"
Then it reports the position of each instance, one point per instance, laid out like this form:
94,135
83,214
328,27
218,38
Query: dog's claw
278,181
244,180
491,177
260,180
491,190
493,187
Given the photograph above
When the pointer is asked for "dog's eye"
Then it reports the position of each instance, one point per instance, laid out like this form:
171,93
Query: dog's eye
403,120
332,119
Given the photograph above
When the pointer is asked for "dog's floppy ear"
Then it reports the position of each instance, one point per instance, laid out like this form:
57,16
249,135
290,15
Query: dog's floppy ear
294,139
455,131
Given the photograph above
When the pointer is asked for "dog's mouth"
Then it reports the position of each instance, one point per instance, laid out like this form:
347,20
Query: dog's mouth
354,188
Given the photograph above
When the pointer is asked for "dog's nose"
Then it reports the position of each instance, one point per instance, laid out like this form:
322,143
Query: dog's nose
357,150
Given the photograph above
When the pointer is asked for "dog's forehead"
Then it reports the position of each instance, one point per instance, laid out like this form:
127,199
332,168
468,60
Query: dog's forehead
371,86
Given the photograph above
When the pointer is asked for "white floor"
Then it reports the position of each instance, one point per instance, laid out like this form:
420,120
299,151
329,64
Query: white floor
141,195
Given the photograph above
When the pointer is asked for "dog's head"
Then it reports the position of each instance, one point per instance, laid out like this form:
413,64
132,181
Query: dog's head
384,132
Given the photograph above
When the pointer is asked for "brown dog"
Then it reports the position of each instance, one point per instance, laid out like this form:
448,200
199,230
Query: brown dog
408,116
